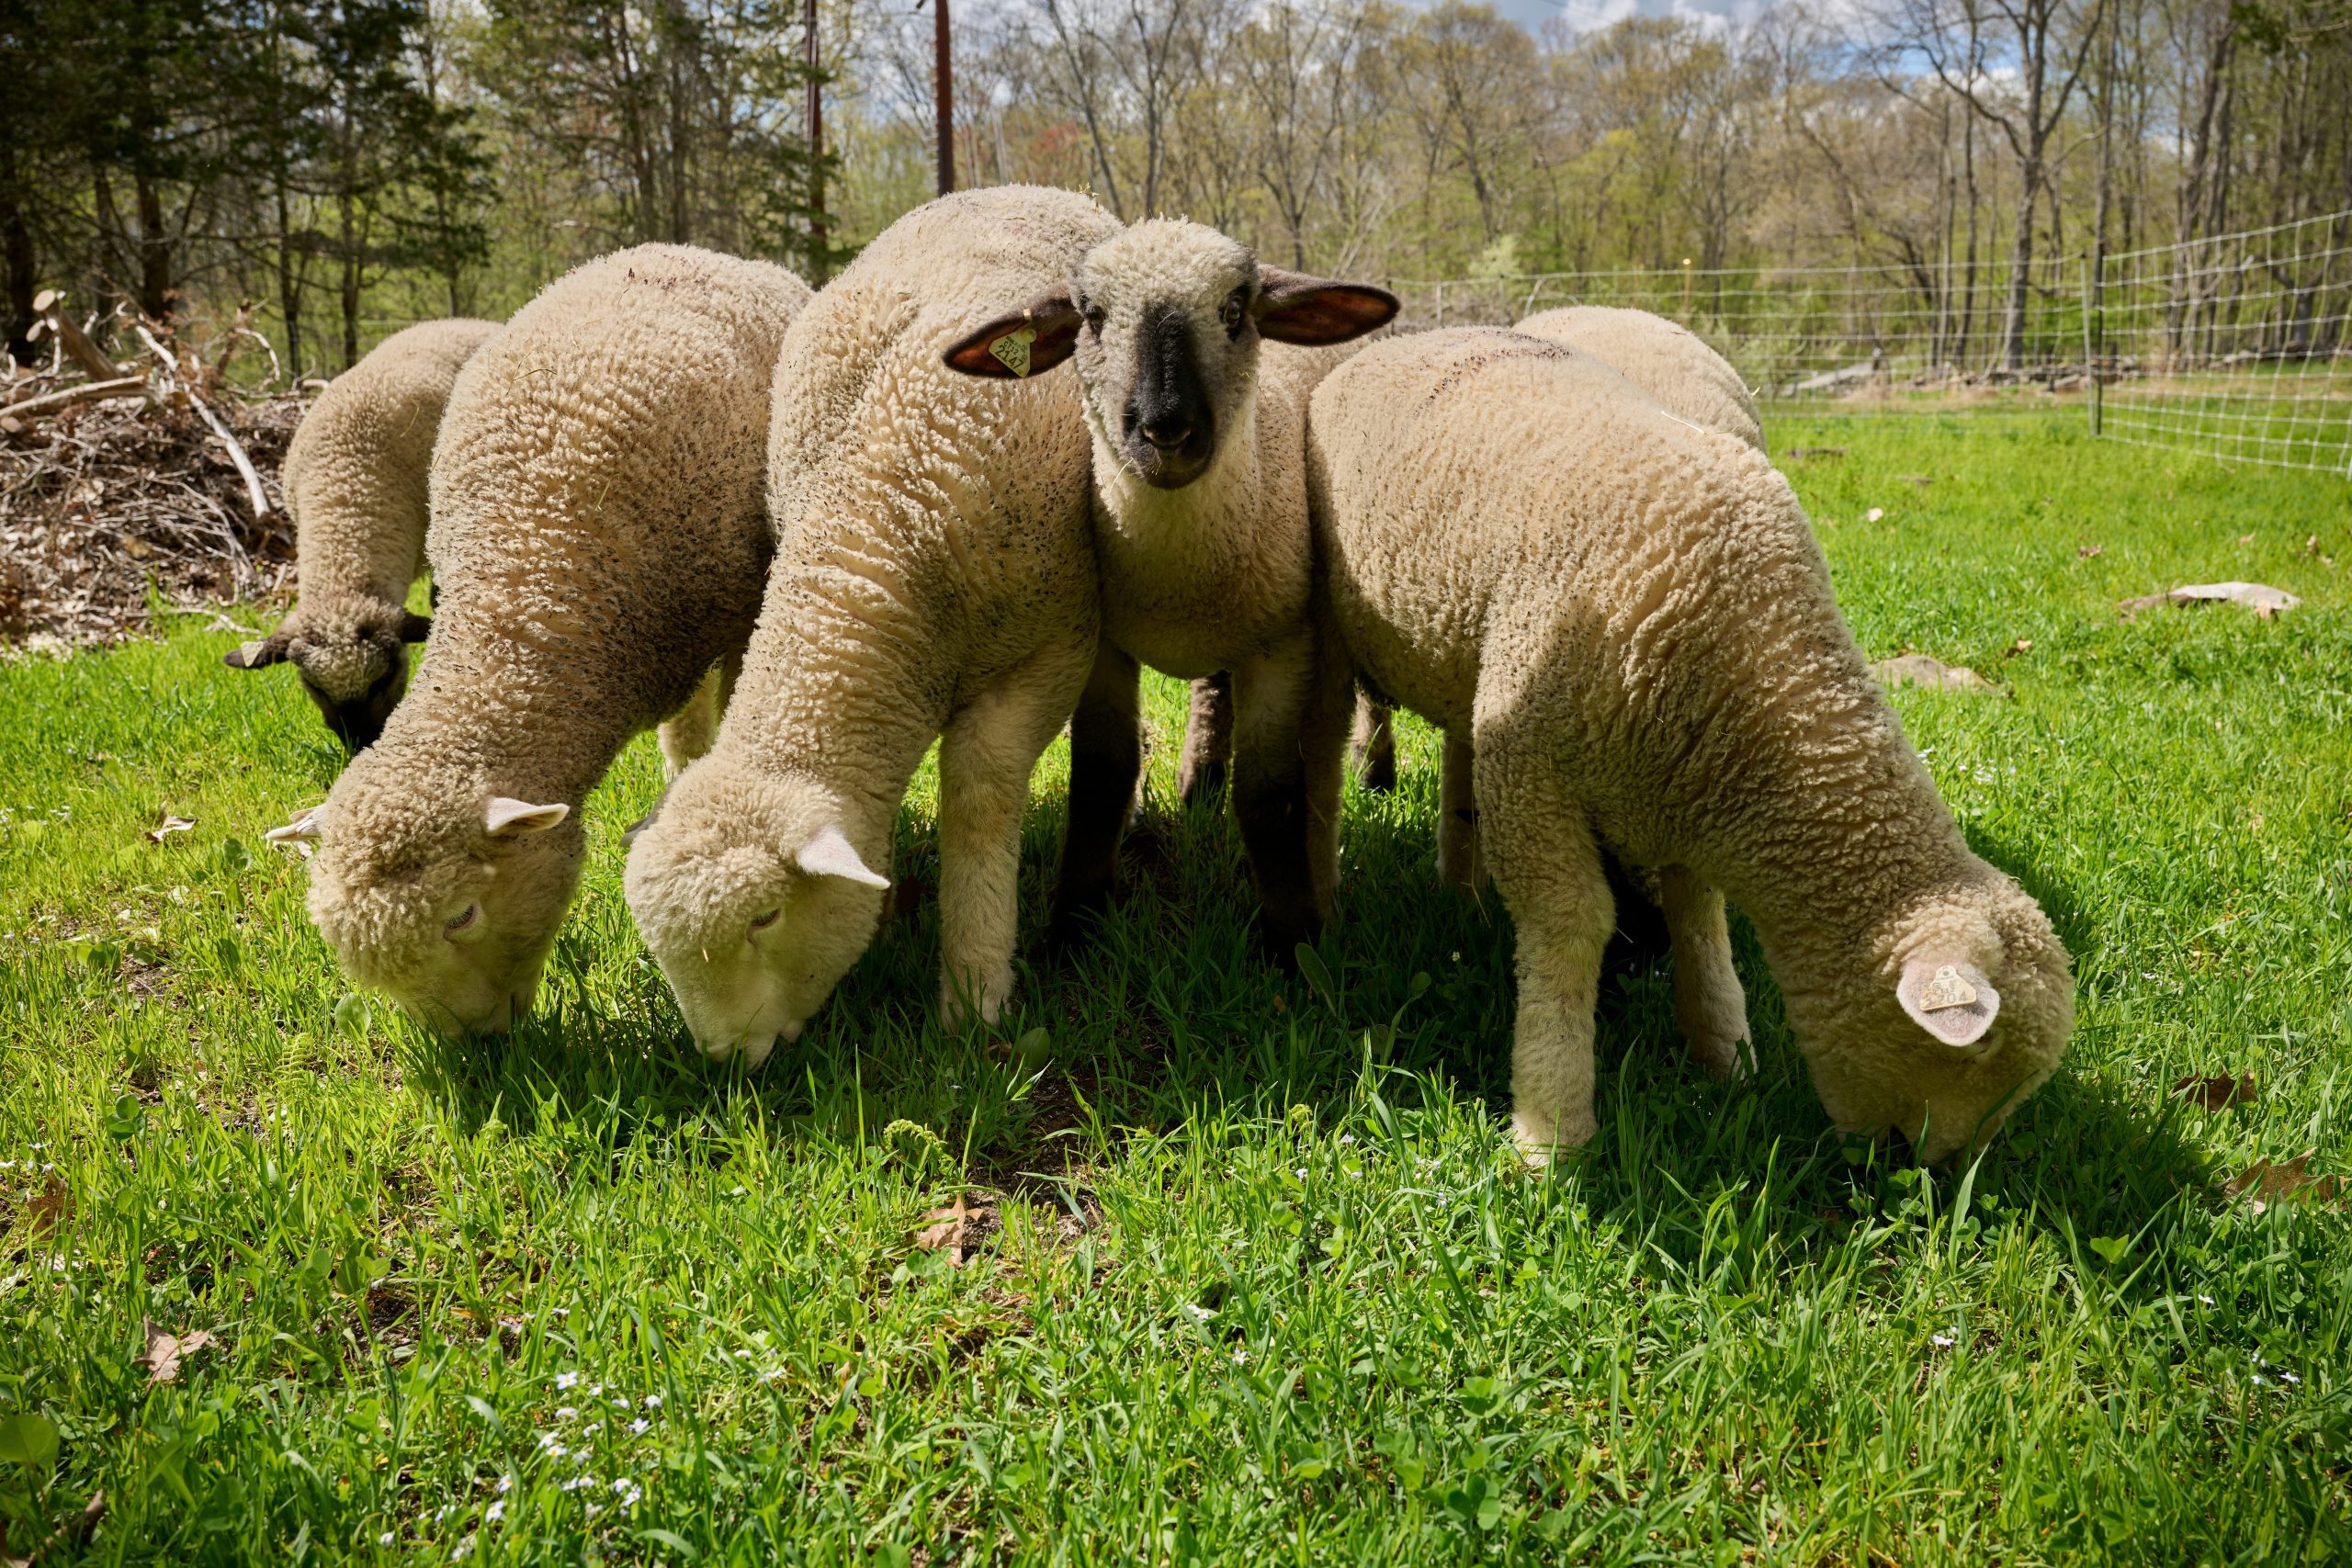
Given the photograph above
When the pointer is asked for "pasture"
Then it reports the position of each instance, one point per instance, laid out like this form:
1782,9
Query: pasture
1185,1263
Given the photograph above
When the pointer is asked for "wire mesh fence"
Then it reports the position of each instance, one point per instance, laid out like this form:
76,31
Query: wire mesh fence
1888,335
2236,347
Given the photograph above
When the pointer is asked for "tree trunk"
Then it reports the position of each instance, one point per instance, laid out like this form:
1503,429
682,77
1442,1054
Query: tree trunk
155,251
20,262
350,283
944,87
289,281
2021,278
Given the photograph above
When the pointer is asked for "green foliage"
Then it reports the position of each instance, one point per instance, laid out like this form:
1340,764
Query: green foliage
1245,1288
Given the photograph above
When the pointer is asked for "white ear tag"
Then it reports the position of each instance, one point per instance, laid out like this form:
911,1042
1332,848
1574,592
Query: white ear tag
1012,350
1946,989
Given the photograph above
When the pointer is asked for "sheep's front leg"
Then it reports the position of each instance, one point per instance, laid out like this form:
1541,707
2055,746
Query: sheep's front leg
1709,1006
1208,740
1323,743
1270,694
986,755
1546,864
1374,746
1105,761
1458,865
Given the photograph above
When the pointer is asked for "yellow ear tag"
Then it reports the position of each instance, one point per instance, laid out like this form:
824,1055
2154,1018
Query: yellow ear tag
1012,350
1946,989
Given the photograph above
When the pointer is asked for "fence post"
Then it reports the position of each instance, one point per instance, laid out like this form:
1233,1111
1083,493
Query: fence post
2090,355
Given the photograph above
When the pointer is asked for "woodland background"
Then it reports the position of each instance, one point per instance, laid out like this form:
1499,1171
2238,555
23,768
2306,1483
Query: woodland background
329,172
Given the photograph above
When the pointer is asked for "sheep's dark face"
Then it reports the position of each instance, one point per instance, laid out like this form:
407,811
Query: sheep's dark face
1164,321
351,656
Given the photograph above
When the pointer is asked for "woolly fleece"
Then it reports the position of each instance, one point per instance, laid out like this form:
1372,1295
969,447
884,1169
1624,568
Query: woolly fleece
599,537
1630,619
355,478
933,579
1666,360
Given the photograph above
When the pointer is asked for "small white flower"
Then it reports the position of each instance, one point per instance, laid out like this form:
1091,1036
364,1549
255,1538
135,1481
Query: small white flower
1302,1173
506,1484
653,1401
496,1511
2207,1300
622,1486
566,1412
559,1312
567,1380
638,1426
742,1354
2289,1378
1200,1314
737,1191
1240,1356
577,1482
387,1537
1346,1137
1942,1341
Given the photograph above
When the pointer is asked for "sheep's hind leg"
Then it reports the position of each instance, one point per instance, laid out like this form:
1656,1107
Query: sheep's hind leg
688,733
1105,761
1323,733
986,755
1458,865
1374,746
1272,692
1208,740
1709,1006
1546,864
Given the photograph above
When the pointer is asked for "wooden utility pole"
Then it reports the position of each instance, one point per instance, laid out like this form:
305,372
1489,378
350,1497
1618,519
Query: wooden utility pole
946,86
816,139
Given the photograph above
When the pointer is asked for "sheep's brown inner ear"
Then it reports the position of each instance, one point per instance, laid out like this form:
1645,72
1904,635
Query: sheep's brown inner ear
1028,343
1311,311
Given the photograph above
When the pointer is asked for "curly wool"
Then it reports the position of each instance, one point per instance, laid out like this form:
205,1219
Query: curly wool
1661,357
1631,617
933,579
599,536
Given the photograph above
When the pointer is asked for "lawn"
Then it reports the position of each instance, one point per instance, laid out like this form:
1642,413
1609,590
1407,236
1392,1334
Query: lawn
1229,1269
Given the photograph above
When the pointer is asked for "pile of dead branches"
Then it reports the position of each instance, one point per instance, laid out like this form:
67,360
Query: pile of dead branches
131,485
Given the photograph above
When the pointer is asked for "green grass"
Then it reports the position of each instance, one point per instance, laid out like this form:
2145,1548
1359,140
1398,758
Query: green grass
1257,1277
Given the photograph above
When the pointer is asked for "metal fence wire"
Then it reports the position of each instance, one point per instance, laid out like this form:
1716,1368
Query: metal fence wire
2235,347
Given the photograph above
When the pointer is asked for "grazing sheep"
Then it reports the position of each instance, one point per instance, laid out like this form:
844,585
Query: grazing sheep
355,478
1630,617
933,579
1200,524
599,536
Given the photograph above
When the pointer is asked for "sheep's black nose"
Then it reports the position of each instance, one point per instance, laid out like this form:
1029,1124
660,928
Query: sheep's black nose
1167,434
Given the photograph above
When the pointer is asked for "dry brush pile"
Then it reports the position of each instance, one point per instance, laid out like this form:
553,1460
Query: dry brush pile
127,485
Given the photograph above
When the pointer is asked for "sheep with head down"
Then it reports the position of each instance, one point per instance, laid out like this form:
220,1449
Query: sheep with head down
1629,616
599,537
933,579
355,478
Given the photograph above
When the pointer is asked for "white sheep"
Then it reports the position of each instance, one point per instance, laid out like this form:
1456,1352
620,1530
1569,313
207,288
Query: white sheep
1200,524
600,539
933,579
355,478
1630,617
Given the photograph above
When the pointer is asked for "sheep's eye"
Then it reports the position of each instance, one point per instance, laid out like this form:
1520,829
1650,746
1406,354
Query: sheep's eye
761,922
460,921
1234,304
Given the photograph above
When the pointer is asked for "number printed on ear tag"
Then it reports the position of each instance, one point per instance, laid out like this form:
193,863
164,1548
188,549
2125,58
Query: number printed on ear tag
1012,350
1946,989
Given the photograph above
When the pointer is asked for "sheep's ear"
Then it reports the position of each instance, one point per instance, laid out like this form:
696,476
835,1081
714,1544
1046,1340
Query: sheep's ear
270,649
1311,311
1954,1002
415,627
305,827
829,852
507,817
1027,343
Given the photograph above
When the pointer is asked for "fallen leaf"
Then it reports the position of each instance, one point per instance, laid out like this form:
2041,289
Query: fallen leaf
170,825
2218,1092
2085,552
2289,1181
2262,599
2023,645
53,1209
161,1357
1875,514
949,1230
1918,669
1817,451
